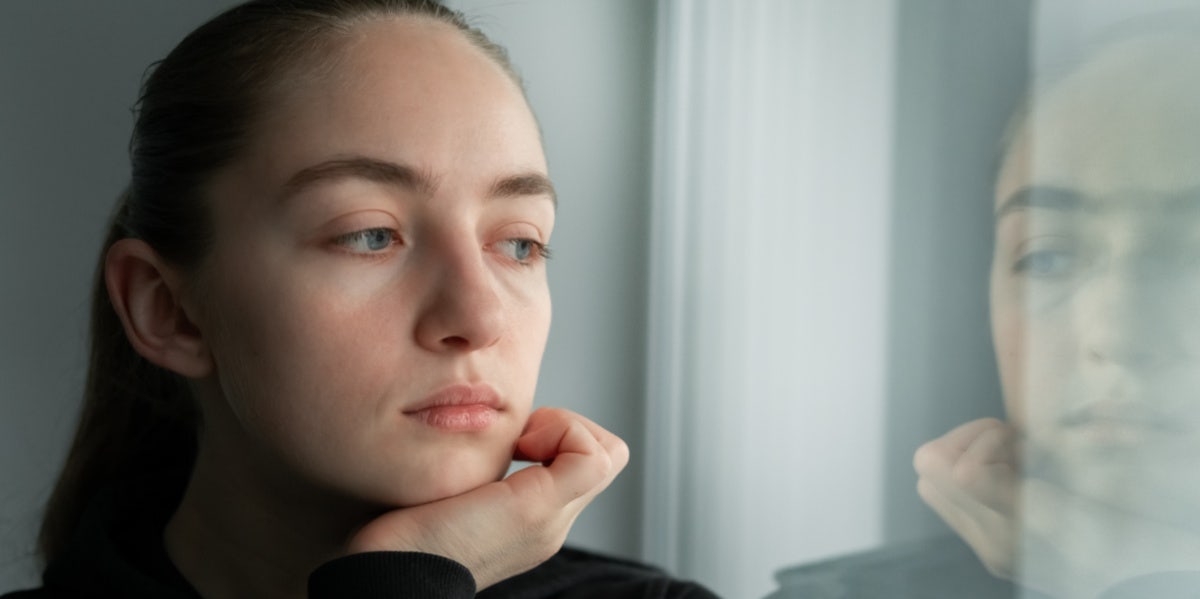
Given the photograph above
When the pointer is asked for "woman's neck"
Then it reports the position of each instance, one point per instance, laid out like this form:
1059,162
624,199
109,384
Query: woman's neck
242,530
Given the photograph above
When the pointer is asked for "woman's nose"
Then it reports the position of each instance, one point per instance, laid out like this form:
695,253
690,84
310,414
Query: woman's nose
1125,318
462,310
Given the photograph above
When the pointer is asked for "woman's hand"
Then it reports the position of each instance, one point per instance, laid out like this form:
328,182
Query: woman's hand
507,527
1033,531
969,476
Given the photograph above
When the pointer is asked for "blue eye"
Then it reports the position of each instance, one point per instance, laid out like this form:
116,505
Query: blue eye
368,241
1045,263
524,251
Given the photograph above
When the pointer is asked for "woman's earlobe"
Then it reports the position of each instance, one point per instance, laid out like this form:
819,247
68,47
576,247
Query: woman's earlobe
146,293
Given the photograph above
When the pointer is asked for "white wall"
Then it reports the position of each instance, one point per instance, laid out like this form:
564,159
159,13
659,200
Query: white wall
69,72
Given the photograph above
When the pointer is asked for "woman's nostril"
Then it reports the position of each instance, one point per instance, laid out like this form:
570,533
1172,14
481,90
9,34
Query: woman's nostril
455,342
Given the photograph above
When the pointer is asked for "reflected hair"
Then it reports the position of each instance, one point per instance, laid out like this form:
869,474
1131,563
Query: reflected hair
196,113
1171,33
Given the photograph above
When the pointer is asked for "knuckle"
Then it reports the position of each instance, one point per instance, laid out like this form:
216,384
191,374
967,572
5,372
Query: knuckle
966,476
971,475
620,453
926,457
605,464
553,412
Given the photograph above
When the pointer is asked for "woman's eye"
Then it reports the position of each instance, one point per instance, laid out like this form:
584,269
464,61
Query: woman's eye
369,241
1046,263
524,251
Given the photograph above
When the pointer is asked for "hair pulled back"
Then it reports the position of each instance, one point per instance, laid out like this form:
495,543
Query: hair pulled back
195,113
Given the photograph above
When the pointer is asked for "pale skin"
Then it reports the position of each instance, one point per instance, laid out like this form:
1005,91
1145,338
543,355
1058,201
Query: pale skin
378,241
1093,288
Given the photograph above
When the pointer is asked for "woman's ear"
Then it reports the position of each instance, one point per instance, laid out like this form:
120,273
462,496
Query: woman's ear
146,293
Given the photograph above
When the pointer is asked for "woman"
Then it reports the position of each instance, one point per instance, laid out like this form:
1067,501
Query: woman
317,326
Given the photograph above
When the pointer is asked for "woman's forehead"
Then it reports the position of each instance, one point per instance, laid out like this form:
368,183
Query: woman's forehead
1126,123
406,91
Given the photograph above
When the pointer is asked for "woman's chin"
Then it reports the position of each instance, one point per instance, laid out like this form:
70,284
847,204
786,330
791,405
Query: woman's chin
442,481
446,489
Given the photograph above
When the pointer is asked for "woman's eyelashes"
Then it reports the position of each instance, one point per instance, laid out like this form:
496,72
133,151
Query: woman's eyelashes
373,241
379,241
525,252
1046,264
1049,257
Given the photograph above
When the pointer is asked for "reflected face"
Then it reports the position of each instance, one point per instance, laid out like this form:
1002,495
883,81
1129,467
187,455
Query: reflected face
376,301
1096,273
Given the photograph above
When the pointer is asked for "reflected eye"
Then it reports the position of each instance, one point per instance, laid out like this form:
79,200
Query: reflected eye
369,241
524,251
1045,263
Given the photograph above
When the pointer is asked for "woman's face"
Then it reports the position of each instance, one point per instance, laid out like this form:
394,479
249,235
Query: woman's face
1096,279
377,252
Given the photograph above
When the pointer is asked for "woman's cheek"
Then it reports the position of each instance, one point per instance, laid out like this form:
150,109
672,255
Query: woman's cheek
280,337
1008,333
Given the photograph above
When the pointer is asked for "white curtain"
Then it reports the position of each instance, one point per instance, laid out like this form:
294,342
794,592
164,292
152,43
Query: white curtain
772,193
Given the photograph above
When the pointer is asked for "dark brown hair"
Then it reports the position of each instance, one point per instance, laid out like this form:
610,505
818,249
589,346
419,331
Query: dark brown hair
195,113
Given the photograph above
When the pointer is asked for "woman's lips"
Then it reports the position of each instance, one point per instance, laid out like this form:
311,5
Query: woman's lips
1119,432
1123,427
458,408
475,417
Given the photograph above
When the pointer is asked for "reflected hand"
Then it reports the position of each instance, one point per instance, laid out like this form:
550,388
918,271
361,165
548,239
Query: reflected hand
510,526
969,477
1070,546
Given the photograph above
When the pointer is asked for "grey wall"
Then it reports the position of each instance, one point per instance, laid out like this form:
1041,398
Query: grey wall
961,70
69,72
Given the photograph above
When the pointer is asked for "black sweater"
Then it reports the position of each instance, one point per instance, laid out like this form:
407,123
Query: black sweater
117,552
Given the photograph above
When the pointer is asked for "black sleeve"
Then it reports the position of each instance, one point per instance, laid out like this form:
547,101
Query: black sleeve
662,588
391,574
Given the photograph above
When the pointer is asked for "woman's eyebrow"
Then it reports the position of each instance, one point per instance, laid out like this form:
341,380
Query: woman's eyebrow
1044,196
1063,199
360,167
526,184
400,175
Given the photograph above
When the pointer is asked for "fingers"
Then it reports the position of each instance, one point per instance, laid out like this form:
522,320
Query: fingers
581,458
539,442
969,478
991,536
987,469
950,446
1069,545
543,431
507,527
976,462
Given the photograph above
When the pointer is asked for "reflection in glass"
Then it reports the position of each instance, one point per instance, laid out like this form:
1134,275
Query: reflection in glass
1084,487
1088,488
